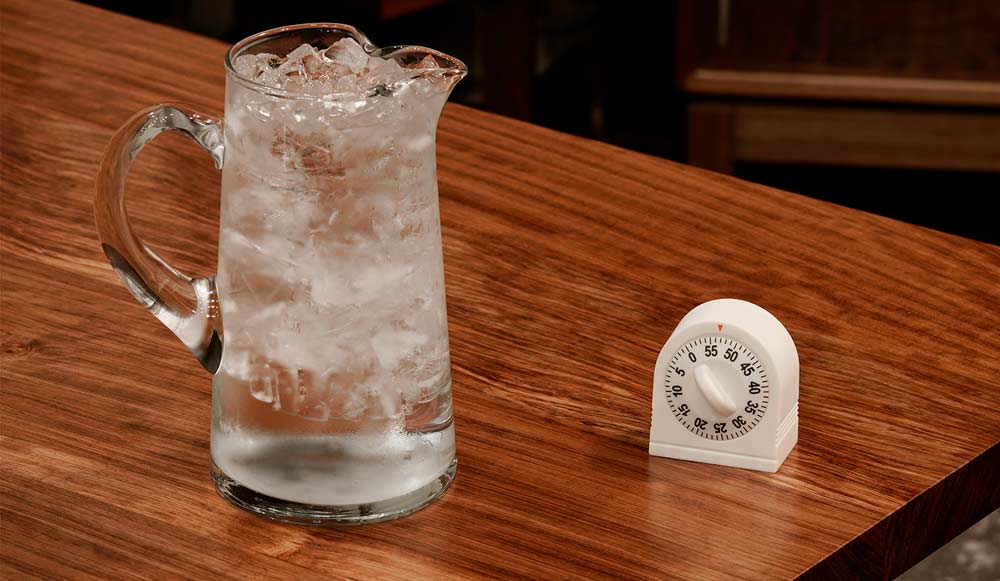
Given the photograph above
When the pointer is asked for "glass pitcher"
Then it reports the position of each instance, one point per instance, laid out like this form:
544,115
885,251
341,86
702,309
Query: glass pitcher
325,327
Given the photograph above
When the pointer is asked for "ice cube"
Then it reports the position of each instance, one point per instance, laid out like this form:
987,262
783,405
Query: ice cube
344,67
246,65
392,345
331,290
298,62
428,62
347,382
253,66
377,278
236,362
383,72
269,252
391,403
346,53
419,143
270,382
265,383
317,411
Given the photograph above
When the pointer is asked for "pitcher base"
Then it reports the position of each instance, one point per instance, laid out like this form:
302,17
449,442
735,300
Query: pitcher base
330,515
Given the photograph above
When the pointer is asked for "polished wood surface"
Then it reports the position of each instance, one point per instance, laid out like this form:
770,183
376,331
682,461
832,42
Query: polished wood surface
568,263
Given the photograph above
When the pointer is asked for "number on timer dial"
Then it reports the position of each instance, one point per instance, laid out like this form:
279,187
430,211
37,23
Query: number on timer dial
716,387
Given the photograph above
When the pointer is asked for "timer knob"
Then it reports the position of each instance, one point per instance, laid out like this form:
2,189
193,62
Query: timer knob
713,391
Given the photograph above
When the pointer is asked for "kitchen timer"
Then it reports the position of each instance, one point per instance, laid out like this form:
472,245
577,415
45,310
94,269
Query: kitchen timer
726,388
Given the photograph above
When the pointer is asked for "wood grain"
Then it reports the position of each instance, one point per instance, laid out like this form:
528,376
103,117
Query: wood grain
865,137
568,263
920,40
841,87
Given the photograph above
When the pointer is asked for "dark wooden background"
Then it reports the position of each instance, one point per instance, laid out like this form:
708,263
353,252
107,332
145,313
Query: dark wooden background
892,107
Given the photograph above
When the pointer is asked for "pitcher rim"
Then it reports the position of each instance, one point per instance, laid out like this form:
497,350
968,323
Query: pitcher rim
456,67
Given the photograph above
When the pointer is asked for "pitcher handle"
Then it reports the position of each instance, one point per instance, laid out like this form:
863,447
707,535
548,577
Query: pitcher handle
187,306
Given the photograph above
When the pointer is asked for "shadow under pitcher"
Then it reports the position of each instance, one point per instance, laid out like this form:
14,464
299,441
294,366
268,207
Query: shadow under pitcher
331,397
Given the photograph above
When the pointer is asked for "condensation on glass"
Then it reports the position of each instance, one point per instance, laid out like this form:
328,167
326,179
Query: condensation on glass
325,326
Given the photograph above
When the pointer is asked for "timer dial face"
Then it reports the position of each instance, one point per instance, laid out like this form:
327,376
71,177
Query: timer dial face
716,387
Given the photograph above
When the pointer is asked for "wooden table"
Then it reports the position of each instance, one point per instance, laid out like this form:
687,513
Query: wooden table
568,263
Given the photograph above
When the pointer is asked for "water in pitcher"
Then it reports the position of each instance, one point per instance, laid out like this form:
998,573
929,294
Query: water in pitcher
334,386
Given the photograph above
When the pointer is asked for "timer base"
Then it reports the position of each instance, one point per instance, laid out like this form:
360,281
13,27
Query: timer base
787,437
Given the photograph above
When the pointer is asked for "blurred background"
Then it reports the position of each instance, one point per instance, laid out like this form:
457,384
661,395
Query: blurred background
891,106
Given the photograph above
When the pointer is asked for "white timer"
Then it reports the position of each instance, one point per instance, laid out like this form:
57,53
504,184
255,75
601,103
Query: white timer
726,388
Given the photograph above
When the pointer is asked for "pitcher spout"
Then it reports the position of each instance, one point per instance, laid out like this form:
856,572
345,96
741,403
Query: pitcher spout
426,64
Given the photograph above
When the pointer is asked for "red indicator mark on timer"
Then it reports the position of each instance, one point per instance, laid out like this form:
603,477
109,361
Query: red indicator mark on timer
720,327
